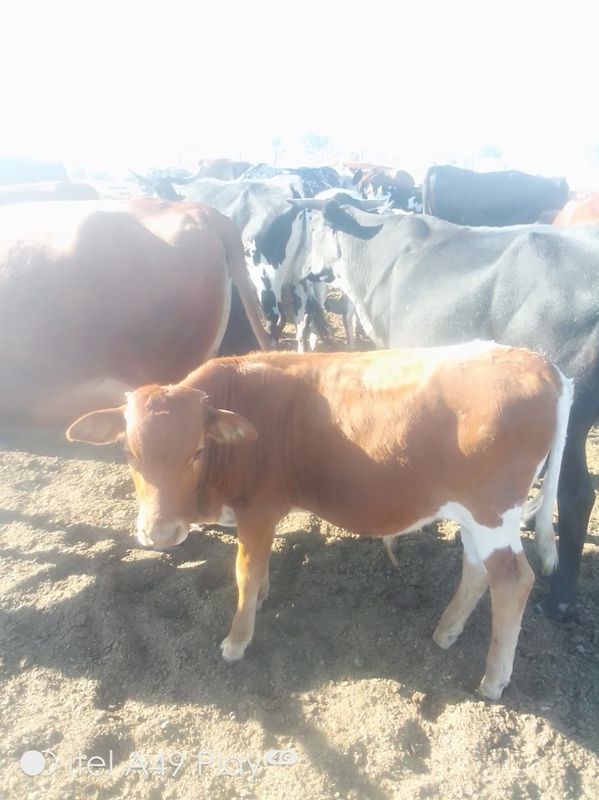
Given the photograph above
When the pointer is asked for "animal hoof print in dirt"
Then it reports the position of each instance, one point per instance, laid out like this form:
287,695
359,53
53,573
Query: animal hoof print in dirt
232,652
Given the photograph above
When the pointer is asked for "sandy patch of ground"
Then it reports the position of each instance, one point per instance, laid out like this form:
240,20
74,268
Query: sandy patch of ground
107,648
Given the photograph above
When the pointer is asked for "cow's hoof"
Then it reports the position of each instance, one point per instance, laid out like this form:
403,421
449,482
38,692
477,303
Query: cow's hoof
260,602
262,596
232,652
563,613
444,638
491,690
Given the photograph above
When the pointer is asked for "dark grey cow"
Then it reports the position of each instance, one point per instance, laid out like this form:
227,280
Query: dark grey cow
417,280
490,198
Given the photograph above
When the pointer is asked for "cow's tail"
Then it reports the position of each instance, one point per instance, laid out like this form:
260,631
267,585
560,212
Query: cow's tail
239,274
542,505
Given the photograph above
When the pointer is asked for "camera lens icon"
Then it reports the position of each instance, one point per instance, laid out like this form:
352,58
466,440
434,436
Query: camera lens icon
36,762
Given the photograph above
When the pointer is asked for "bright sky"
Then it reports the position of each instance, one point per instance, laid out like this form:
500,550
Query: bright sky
128,83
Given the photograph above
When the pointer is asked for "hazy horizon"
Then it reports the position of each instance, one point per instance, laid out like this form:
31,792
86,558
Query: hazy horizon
113,87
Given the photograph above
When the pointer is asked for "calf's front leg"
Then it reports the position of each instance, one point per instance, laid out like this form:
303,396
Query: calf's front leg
253,554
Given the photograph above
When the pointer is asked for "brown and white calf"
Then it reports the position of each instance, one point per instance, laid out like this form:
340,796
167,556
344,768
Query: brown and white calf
379,443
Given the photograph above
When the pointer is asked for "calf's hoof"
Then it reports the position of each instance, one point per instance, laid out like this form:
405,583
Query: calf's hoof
445,638
491,690
260,602
232,652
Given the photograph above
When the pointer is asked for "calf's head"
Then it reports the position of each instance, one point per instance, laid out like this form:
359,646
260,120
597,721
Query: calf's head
165,430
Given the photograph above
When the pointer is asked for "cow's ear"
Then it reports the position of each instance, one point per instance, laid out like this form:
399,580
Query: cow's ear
227,427
99,427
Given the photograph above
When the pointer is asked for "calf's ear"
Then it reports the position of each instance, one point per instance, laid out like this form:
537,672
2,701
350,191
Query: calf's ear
227,427
99,427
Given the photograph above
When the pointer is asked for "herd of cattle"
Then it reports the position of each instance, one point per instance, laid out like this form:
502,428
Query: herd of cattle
101,297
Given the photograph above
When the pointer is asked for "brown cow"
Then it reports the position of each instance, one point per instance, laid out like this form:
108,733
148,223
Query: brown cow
398,184
379,179
48,190
96,297
579,212
379,443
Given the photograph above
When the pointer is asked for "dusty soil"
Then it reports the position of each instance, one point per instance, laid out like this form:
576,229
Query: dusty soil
111,651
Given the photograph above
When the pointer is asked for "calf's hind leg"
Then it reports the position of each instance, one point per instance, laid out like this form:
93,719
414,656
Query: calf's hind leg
494,557
510,579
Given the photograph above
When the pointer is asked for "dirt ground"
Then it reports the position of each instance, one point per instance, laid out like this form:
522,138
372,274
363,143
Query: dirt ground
110,659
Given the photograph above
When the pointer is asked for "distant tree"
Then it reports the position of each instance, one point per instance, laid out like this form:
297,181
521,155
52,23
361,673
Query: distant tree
276,146
490,151
315,143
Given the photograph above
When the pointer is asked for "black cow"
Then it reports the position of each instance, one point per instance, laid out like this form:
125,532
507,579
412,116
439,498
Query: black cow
158,183
420,281
490,198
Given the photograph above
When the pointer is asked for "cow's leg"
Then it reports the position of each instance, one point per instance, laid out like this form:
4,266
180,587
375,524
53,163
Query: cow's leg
498,553
301,317
317,295
575,500
510,579
264,588
349,317
311,314
472,586
253,553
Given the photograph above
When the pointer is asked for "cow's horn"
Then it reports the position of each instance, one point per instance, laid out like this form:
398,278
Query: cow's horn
306,202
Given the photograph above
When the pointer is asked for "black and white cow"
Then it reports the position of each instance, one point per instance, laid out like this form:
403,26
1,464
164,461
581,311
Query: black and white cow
421,281
276,237
277,258
272,231
314,179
